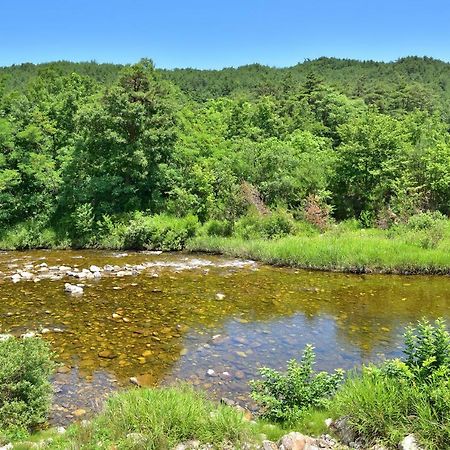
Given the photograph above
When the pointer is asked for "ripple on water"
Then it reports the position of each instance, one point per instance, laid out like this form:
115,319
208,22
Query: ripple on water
209,320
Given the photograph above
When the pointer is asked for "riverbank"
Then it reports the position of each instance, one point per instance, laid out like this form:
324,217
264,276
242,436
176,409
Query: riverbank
362,251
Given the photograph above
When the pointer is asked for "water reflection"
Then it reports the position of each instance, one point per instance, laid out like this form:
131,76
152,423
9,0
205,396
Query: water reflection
168,322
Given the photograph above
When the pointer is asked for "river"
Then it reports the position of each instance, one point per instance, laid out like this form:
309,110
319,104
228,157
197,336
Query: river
210,320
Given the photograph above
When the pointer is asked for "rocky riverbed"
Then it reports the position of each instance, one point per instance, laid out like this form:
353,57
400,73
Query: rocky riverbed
157,318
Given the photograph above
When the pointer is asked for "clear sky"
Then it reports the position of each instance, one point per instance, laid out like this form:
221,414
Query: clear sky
215,34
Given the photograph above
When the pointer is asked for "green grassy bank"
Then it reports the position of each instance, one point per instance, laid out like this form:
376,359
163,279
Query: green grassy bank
361,251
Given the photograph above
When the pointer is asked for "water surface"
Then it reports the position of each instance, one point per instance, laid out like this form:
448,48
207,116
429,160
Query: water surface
178,316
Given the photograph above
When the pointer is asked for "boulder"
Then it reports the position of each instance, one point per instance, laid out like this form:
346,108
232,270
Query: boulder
343,430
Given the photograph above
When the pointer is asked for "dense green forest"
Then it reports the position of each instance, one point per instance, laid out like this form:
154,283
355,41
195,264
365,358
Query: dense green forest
87,147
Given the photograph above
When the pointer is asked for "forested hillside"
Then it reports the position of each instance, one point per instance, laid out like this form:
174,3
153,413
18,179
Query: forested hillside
85,147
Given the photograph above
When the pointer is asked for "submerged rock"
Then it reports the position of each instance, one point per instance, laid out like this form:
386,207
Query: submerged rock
16,278
73,289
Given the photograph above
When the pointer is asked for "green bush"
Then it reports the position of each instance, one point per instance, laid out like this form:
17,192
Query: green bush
270,226
222,228
161,418
427,350
25,390
425,230
284,397
28,235
82,226
159,232
406,396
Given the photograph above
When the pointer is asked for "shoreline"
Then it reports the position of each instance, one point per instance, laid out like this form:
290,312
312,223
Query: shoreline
266,252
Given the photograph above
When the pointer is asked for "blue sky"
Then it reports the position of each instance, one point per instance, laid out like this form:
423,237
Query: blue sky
215,34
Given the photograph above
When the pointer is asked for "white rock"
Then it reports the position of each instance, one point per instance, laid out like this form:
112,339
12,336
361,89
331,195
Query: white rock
97,274
7,447
29,335
26,275
210,372
409,443
5,337
124,273
95,268
328,422
73,289
15,278
64,268
220,296
60,430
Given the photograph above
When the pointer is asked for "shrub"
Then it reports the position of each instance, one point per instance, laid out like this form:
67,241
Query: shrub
159,232
271,226
82,227
222,228
25,390
403,396
29,235
286,396
425,229
317,212
427,350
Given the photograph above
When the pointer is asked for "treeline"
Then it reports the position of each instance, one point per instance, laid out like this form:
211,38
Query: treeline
85,145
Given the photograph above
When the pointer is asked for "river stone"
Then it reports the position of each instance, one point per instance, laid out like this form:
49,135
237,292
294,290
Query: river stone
15,278
73,289
107,354
144,380
269,445
293,441
79,412
409,443
343,430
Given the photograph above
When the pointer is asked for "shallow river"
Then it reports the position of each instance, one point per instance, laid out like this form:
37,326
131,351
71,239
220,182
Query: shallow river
175,316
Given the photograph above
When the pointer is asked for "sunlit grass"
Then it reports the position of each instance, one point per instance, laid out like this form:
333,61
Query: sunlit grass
355,251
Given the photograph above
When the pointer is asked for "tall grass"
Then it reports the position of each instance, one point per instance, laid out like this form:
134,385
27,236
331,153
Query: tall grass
348,251
159,419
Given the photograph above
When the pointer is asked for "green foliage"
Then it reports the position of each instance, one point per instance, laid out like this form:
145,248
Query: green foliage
159,232
79,141
83,223
29,235
25,390
223,228
163,418
424,229
270,226
427,350
285,396
403,396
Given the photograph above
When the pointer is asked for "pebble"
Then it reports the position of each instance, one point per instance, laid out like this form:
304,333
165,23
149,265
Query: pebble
79,412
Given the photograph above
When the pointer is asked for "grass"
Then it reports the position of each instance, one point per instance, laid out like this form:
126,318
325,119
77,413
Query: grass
385,409
362,251
159,419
